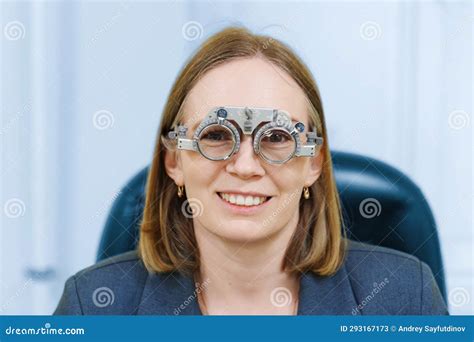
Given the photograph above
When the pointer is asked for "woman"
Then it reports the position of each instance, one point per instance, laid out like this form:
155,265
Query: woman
242,214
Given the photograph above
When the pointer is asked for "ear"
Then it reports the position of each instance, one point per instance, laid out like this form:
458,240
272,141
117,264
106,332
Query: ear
315,168
173,167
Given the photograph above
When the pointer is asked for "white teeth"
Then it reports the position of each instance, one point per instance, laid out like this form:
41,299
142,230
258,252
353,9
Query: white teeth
249,200
246,201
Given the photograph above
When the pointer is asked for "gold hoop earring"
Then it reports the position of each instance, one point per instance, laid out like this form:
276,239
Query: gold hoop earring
180,190
306,193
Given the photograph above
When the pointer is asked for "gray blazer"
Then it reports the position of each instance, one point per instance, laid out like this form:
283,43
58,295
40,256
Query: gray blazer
372,281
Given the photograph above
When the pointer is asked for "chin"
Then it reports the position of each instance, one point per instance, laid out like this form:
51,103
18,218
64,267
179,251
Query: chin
243,231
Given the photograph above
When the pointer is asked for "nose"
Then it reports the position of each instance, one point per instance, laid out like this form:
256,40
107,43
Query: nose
245,163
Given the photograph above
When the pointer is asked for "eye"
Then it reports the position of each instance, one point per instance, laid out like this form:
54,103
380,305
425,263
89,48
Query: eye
216,134
276,137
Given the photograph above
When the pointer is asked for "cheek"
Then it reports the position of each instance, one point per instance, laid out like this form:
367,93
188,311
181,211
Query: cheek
199,174
290,177
290,182
289,199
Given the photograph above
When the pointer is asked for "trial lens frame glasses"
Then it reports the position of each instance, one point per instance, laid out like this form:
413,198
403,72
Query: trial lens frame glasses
275,138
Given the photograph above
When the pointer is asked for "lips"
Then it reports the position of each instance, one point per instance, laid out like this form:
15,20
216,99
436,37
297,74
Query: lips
244,200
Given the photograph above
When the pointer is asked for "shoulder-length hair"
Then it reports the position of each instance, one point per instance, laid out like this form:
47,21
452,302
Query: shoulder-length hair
167,241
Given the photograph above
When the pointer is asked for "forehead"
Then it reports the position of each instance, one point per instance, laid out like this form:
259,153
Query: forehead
251,82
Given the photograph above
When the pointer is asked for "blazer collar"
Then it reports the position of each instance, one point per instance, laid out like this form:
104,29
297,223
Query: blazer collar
170,293
173,293
326,295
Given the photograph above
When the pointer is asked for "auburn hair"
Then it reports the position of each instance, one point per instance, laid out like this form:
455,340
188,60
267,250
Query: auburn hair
167,241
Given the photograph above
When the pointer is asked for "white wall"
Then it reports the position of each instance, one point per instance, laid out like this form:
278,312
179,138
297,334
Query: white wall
395,78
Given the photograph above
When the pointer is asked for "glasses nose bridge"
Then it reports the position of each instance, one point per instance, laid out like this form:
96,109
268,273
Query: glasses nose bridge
246,145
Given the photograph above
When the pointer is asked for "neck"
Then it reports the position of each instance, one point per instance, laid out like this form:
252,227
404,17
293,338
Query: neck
243,277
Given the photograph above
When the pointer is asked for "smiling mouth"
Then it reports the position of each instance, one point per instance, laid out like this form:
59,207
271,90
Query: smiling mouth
244,201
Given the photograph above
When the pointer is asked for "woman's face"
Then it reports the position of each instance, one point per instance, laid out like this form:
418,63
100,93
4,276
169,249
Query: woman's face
210,185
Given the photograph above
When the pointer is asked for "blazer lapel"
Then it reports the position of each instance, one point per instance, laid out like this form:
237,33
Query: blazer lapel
170,293
326,295
173,293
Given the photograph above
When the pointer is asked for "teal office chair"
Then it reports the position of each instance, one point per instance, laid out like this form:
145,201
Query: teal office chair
381,206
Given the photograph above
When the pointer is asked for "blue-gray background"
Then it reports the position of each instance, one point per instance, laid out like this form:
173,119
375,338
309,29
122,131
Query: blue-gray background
83,85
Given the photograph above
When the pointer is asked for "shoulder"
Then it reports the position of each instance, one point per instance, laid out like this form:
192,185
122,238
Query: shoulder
111,286
118,263
386,281
367,253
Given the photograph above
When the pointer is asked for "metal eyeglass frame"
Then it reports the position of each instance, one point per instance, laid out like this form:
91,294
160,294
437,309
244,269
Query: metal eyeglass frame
249,119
